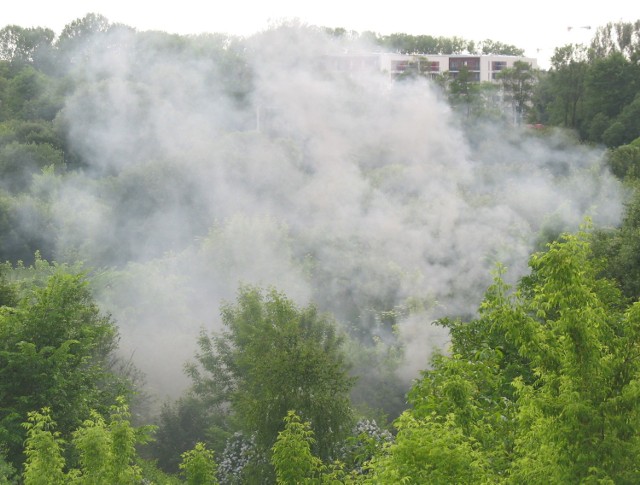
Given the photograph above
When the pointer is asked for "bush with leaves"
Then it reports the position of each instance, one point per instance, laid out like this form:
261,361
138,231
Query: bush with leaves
106,449
43,449
292,457
198,466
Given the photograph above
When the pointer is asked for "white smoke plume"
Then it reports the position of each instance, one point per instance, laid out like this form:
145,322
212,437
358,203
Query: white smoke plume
349,190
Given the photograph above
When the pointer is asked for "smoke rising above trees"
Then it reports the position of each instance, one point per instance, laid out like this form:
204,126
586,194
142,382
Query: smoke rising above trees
365,196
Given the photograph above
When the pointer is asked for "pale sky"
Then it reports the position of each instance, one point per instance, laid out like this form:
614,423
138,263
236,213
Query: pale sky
536,26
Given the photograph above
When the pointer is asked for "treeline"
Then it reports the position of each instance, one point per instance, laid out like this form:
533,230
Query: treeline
427,44
541,387
595,89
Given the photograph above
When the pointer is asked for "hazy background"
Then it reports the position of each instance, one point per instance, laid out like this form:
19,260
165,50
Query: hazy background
260,165
538,27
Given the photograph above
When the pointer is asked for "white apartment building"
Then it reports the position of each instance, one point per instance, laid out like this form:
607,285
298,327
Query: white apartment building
483,68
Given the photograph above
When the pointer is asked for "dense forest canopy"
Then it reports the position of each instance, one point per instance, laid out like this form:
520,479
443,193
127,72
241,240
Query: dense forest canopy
344,226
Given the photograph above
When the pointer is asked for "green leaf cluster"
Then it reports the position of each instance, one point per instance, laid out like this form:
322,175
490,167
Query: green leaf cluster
542,388
55,347
271,358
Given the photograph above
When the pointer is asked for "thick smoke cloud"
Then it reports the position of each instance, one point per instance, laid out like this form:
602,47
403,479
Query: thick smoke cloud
347,189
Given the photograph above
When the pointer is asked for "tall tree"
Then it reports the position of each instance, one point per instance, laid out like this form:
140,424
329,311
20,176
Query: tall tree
517,85
567,76
463,92
21,45
611,84
620,37
56,349
274,357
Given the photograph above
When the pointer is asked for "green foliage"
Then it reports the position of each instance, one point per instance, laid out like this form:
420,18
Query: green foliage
619,248
567,81
464,92
29,95
18,162
427,44
181,425
274,357
94,445
518,83
629,125
593,90
491,47
292,457
26,132
198,466
571,327
7,472
617,37
8,291
86,26
21,45
55,348
429,451
543,388
44,464
610,85
366,441
107,452
624,162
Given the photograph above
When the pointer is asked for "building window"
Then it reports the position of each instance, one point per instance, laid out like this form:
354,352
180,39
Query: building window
471,63
399,66
498,65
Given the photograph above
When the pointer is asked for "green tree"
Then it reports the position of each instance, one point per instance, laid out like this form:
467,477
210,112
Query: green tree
273,357
463,92
7,471
624,161
567,78
543,387
29,94
618,37
579,420
491,47
181,425
20,45
627,125
43,449
198,466
107,451
292,457
19,162
611,84
619,248
517,85
428,451
56,349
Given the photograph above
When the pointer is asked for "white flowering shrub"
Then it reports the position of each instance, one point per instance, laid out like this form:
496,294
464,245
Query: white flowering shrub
241,458
366,440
